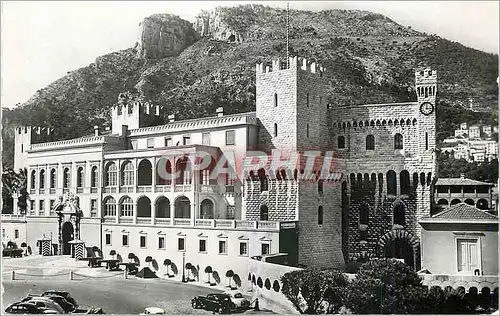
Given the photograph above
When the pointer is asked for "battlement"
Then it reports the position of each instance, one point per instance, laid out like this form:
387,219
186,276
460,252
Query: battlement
34,130
293,62
135,108
425,75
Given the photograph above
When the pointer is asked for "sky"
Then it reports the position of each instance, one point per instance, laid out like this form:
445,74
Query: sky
42,41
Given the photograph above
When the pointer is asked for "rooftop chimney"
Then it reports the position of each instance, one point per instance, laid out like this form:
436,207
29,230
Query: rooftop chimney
96,130
220,111
171,118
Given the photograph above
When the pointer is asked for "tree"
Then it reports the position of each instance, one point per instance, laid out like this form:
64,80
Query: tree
131,256
112,253
229,275
208,271
315,291
385,286
22,190
167,263
189,266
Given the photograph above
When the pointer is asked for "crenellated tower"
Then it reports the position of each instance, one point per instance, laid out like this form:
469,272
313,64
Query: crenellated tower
26,136
133,114
291,105
426,90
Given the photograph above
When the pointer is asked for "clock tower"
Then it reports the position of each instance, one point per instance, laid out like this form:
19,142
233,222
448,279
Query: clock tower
426,89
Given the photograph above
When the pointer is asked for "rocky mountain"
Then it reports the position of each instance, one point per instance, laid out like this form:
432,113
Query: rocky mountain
191,69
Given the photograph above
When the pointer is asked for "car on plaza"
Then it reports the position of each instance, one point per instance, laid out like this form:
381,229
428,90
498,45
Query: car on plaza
153,311
238,299
28,308
44,302
64,294
67,306
220,303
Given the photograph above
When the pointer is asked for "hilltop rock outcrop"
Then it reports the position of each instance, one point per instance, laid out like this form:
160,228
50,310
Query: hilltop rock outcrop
164,35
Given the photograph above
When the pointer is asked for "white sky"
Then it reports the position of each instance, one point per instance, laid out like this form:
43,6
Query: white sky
41,41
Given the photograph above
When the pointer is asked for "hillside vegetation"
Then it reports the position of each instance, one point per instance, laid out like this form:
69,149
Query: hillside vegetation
369,59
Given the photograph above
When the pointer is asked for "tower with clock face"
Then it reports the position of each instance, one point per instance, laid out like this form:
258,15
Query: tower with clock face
426,89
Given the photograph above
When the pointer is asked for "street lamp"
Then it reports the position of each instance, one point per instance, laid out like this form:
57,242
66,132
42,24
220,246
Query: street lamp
183,267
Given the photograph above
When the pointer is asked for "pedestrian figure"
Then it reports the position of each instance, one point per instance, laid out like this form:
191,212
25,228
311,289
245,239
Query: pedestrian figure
256,306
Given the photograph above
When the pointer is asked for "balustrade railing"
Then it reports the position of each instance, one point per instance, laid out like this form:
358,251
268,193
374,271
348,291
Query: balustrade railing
126,189
13,217
182,221
109,219
143,220
224,223
163,188
268,225
126,220
110,190
52,191
144,188
93,190
204,222
208,188
162,221
79,190
41,191
245,224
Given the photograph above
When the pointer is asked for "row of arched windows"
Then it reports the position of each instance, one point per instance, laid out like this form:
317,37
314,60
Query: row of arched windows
406,185
425,92
372,123
80,178
370,142
182,205
398,214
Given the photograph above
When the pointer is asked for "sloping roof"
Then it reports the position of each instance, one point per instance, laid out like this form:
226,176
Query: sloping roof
460,181
462,212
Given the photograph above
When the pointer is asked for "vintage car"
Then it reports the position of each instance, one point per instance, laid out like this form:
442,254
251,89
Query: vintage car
220,303
28,308
238,299
153,311
64,294
44,302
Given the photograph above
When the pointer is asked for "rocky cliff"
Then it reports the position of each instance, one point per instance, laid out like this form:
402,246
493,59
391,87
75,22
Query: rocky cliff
164,35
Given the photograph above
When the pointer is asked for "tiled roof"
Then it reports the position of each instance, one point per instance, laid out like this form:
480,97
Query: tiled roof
460,181
464,211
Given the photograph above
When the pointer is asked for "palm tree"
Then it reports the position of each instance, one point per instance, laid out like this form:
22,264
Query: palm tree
21,187
148,260
9,180
189,266
167,263
112,253
208,271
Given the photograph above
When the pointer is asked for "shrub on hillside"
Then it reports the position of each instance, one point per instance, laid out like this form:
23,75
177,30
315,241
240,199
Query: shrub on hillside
315,291
385,286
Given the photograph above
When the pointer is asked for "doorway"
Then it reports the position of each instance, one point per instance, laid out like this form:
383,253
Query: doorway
67,236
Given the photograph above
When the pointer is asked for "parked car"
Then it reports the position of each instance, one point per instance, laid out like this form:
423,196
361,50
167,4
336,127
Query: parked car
64,294
12,252
44,302
153,311
238,299
67,306
28,308
220,303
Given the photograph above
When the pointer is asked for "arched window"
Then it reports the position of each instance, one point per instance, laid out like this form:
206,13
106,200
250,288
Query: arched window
275,129
307,130
399,214
370,142
320,215
33,179
127,207
207,209
66,178
391,182
404,179
143,207
264,213
183,169
111,175
94,177
128,174
307,100
426,141
264,184
364,214
341,142
320,186
275,100
42,179
398,141
145,173
162,208
109,206
79,177
53,178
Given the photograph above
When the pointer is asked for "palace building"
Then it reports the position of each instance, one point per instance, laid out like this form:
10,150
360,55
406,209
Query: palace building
107,189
